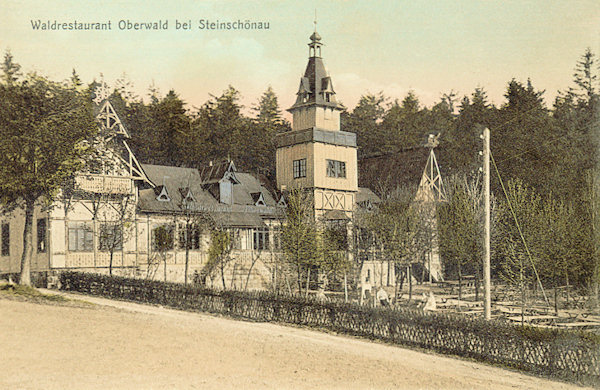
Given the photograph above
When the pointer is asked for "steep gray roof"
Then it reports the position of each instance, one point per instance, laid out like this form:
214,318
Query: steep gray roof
249,184
177,181
365,194
174,179
387,172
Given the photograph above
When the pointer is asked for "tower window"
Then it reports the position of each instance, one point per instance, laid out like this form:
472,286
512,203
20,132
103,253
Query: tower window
336,168
299,168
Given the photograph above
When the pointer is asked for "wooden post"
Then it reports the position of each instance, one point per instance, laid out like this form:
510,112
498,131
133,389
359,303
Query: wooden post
345,287
486,235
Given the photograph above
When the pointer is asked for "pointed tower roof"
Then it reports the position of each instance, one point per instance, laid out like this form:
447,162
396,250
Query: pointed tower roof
316,87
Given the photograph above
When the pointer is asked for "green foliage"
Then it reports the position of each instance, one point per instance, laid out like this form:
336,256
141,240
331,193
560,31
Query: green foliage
32,169
334,239
515,264
365,120
34,111
258,144
11,71
394,224
557,238
218,253
299,234
29,293
220,246
163,238
460,222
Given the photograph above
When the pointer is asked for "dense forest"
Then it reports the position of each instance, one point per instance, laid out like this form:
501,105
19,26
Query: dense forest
549,148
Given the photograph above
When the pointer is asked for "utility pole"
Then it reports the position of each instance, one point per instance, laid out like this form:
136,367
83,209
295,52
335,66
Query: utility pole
487,304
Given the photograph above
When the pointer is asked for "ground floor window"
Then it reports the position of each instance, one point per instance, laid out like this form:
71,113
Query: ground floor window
276,238
5,239
110,237
162,237
41,235
189,233
261,240
81,237
236,239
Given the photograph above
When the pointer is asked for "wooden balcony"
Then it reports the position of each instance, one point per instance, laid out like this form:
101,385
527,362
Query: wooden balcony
103,184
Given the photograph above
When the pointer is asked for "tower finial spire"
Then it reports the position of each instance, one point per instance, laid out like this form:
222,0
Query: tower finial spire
315,20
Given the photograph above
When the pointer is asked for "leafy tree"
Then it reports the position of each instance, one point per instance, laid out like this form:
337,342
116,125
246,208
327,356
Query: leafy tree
460,143
163,243
406,124
219,128
527,143
394,226
299,235
32,169
117,227
174,125
516,266
563,248
124,87
76,82
586,79
219,253
333,259
461,229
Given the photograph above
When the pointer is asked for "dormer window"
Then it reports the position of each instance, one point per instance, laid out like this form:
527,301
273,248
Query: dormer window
258,198
282,202
187,195
163,195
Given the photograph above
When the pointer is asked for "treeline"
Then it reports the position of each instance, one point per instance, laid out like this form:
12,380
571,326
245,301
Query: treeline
166,131
549,148
545,211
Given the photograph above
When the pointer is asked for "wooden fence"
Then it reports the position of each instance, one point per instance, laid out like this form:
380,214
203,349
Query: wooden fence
557,353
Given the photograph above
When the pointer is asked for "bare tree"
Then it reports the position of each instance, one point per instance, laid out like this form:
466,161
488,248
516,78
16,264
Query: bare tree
162,244
117,226
393,225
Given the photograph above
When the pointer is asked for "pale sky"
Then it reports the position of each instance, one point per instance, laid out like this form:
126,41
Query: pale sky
430,47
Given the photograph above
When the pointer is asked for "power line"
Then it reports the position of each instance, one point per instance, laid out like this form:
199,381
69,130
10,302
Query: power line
514,215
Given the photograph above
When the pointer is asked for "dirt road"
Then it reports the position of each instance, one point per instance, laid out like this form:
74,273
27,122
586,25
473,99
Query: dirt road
130,346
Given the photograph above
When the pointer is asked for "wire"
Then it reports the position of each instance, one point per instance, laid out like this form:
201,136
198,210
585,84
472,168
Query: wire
586,127
519,229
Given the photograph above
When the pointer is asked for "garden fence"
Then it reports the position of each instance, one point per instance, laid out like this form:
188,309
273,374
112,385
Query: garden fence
558,353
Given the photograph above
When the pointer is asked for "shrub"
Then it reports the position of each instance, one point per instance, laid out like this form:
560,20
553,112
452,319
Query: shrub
552,352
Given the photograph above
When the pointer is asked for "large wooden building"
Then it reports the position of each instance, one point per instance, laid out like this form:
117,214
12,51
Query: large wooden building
107,218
